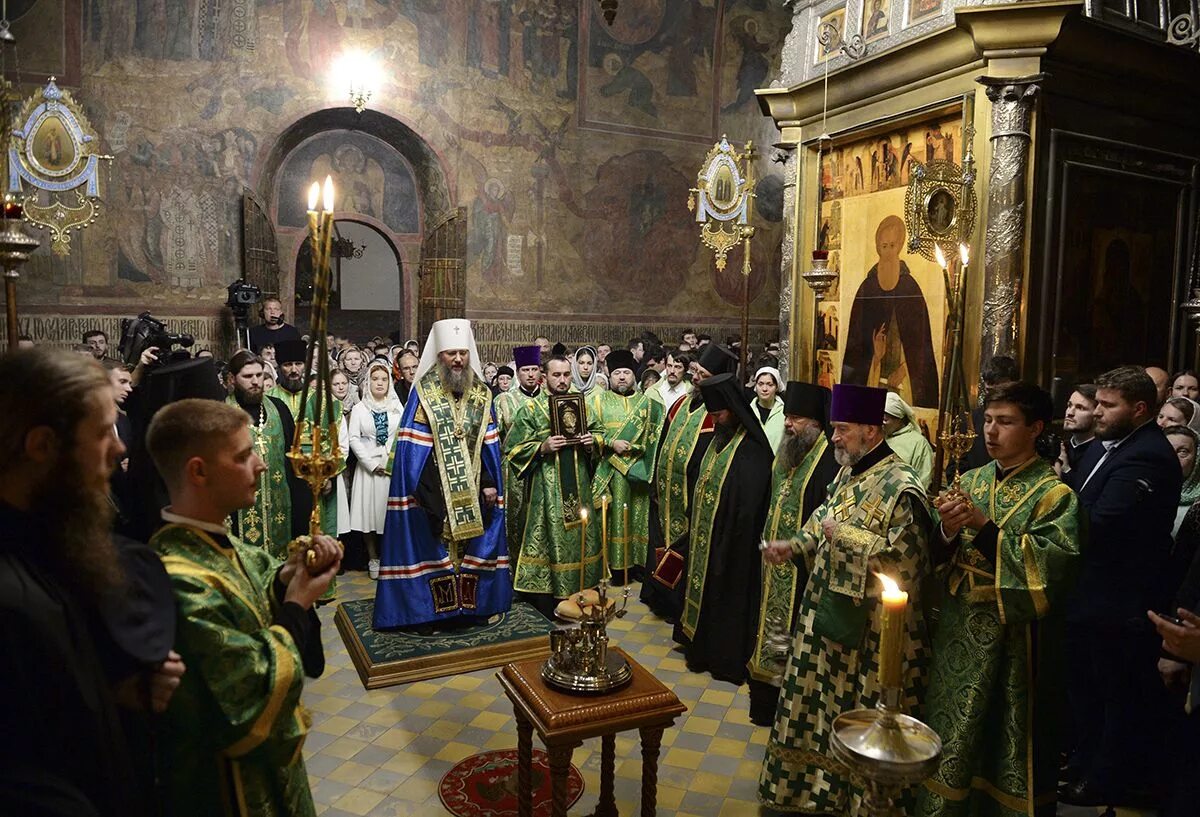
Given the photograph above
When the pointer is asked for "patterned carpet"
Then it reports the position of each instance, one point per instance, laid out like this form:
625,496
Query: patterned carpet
382,752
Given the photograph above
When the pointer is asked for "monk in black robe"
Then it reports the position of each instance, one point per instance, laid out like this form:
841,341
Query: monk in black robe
724,577
889,344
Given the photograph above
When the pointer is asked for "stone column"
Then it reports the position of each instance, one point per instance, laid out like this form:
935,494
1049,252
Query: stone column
788,154
1004,246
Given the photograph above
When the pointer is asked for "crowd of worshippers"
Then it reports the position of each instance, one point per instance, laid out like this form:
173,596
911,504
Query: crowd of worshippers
1051,632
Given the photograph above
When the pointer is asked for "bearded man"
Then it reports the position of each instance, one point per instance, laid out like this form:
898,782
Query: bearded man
628,426
528,362
560,554
268,522
674,385
684,441
724,572
64,750
444,554
291,356
875,520
804,467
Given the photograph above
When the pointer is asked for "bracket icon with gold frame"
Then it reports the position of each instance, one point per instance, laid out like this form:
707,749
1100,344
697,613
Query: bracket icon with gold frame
723,199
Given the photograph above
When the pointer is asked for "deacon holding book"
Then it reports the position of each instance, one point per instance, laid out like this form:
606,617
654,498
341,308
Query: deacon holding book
444,554
628,425
684,441
874,521
560,550
804,467
724,574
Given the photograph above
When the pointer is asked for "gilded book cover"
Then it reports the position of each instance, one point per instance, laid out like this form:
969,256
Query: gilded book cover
568,416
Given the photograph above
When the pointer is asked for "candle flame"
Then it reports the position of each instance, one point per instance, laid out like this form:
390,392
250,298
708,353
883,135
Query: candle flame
328,194
890,588
314,193
964,252
941,257
583,514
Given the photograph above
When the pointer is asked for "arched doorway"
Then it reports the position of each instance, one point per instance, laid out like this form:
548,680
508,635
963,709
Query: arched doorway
367,290
390,184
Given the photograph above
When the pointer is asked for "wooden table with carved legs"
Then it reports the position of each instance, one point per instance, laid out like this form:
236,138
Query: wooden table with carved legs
564,720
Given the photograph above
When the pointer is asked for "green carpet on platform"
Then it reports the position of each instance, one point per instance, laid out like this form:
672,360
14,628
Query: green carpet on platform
388,657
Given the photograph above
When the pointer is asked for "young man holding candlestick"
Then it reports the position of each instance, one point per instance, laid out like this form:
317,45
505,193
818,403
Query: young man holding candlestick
628,424
560,551
804,466
1013,531
875,521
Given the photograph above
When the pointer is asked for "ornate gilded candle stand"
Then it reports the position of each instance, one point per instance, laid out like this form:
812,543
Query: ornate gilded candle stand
16,246
579,657
957,438
889,750
317,430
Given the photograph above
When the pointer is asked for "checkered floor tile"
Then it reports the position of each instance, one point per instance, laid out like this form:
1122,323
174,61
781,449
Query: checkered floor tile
382,752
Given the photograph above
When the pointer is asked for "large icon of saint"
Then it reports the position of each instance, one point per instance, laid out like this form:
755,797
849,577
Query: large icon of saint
888,342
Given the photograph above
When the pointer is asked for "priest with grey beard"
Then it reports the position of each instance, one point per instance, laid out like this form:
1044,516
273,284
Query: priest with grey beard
804,467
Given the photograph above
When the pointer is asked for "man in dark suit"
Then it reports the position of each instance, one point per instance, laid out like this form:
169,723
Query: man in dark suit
1129,486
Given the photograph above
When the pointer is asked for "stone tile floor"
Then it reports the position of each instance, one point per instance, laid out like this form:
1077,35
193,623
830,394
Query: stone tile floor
382,752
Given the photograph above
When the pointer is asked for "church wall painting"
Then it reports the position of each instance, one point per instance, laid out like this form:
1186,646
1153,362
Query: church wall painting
594,221
890,303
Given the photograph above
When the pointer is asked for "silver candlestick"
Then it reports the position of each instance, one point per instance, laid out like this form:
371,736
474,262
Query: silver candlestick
886,748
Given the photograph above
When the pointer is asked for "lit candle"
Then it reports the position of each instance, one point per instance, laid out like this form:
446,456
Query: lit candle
328,194
583,514
604,533
314,195
891,636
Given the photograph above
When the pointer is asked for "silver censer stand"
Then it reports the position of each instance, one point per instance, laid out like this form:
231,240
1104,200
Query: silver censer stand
579,658
887,749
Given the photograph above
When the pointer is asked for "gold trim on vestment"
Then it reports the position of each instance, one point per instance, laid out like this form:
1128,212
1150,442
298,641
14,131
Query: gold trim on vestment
476,400
184,567
285,674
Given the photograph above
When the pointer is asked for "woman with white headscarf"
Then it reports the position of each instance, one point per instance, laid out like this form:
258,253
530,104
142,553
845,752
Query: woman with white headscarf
372,434
905,439
583,369
768,404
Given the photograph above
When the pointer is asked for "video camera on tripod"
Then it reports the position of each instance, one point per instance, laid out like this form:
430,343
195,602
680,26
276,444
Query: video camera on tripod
242,296
145,331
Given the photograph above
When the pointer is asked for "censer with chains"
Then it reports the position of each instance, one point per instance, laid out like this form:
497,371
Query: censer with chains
317,429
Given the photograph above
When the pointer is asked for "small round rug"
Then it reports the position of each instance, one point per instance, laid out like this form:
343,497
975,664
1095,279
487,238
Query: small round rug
485,785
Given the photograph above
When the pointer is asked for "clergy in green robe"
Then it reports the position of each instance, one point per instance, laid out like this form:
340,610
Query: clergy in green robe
627,426
875,520
525,387
560,547
997,658
800,475
268,522
246,629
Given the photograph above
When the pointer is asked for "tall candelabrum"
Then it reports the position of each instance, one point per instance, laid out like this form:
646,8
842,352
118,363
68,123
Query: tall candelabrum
888,750
16,246
956,432
315,452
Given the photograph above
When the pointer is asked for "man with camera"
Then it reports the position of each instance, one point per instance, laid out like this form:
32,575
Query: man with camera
274,328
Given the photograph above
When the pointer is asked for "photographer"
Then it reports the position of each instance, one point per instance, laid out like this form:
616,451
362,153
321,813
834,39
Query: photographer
274,328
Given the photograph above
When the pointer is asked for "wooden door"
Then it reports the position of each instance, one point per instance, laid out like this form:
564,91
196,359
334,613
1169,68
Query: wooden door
260,255
441,290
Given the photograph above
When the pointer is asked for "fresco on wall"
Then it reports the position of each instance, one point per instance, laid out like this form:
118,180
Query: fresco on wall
504,96
889,310
370,178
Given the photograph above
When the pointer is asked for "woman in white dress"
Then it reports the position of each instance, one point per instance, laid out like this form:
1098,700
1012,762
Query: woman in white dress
372,434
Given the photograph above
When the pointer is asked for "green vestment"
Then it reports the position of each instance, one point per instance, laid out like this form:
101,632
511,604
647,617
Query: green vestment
834,665
555,550
268,522
672,479
999,639
777,610
506,406
625,478
910,445
235,727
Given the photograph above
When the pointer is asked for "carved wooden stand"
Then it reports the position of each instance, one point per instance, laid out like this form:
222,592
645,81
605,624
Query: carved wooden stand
563,721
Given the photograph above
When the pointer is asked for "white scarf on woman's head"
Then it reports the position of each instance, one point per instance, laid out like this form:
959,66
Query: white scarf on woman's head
390,402
581,384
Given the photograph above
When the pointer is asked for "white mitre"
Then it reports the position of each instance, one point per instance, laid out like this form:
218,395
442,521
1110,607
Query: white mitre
451,333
